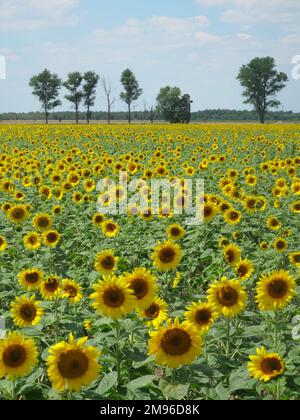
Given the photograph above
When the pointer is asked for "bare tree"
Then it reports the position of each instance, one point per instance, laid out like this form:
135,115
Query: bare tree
108,90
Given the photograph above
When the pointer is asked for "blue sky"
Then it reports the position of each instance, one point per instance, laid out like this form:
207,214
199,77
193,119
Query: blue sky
197,45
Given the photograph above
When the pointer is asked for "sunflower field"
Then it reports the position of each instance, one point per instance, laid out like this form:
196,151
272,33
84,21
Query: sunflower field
143,306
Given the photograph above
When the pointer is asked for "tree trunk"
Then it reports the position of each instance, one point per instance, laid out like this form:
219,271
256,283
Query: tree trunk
108,114
129,114
262,117
88,115
76,108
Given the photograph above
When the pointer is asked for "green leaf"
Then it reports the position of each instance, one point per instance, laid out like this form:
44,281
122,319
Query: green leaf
141,382
107,383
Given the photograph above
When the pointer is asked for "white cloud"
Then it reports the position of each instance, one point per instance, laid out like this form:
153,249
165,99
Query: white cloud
204,37
36,14
286,13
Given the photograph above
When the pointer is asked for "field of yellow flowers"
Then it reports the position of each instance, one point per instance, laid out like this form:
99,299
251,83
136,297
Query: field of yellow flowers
142,305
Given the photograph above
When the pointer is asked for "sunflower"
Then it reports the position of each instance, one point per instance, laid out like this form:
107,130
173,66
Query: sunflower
113,297
273,223
106,262
294,258
232,217
265,366
201,315
50,288
98,219
229,297
175,344
232,254
3,244
26,312
87,325
175,232
295,207
18,355
110,229
31,279
275,291
51,238
72,365
17,214
166,256
244,269
280,245
144,286
32,241
156,313
209,212
71,290
42,222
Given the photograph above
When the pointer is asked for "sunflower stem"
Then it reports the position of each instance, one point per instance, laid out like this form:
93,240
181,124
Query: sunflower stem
117,354
278,390
228,338
276,331
13,390
173,377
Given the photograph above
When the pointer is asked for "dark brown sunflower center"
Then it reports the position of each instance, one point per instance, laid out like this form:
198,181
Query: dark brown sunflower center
251,204
153,311
14,356
51,285
175,231
203,316
32,240
233,215
230,256
227,296
98,219
110,227
274,223
167,255
28,312
140,287
176,342
52,237
113,297
71,291
43,222
296,258
108,262
297,207
207,211
242,270
32,278
280,244
1,242
277,289
18,213
270,365
73,364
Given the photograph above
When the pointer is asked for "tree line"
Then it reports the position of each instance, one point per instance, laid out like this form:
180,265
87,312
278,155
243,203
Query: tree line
260,80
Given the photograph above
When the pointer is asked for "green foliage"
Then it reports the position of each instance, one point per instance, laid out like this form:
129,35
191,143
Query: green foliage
46,87
261,82
174,107
132,90
73,84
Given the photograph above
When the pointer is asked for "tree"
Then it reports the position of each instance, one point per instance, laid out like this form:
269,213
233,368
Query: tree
261,82
108,90
73,86
131,92
89,92
174,107
46,87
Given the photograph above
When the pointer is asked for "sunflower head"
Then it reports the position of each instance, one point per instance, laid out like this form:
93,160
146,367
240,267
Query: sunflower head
51,238
72,365
18,355
166,256
265,366
228,297
156,313
144,286
31,279
232,254
71,290
244,269
42,222
17,214
113,297
275,290
26,312
175,344
106,262
50,288
32,241
201,315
